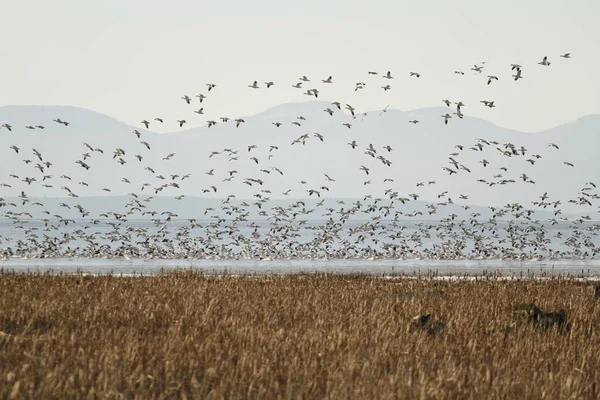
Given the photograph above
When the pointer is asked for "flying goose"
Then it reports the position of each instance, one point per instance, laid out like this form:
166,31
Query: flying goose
328,80
388,75
446,118
269,84
200,111
200,97
159,120
418,75
386,88
566,55
254,85
146,123
518,76
491,78
303,78
210,86
238,122
489,104
544,61
181,122
186,98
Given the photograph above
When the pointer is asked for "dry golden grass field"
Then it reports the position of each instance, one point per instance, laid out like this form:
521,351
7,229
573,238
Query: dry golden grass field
188,335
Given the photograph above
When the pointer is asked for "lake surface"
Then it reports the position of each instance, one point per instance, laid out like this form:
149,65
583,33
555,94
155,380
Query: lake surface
587,268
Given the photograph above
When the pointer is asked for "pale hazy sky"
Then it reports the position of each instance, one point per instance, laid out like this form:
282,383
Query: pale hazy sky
134,59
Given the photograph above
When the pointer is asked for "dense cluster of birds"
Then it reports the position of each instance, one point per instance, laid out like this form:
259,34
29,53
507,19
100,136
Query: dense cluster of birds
315,228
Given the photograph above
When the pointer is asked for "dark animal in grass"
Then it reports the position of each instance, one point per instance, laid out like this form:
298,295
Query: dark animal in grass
531,315
424,323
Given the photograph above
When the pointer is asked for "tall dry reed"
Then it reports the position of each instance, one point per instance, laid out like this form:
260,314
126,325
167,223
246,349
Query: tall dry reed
189,335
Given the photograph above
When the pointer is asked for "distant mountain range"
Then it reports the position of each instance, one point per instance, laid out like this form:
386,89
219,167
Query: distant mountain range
418,153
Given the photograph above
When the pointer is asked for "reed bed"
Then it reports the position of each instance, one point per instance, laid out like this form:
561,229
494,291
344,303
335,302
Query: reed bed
189,335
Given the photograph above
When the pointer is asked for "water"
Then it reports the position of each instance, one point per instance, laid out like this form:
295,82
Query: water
586,268
258,247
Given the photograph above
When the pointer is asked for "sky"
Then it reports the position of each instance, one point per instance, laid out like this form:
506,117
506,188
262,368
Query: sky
134,60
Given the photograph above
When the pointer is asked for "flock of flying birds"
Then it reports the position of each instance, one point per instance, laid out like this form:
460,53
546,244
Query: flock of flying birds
370,228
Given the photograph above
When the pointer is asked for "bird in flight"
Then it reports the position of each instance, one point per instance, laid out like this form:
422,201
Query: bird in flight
545,61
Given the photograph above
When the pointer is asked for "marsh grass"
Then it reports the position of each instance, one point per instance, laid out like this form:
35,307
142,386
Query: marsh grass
188,335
